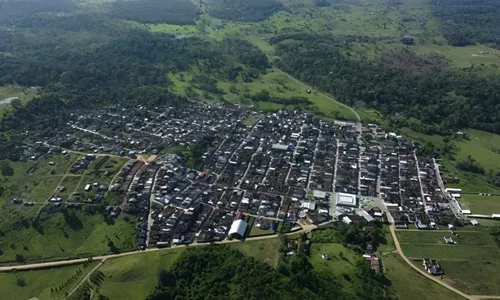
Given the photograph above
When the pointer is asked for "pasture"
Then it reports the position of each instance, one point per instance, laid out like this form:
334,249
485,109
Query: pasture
38,283
468,264
421,288
62,234
478,204
138,273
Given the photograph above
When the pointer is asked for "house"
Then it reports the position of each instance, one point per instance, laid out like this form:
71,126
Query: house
432,266
87,187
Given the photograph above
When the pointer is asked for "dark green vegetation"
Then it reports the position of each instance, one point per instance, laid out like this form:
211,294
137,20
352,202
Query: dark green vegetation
466,22
243,10
468,264
178,12
216,271
429,101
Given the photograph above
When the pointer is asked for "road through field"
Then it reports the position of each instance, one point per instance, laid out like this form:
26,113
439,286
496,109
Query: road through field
435,279
358,118
61,263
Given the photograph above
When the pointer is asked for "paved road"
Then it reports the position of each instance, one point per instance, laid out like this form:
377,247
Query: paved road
422,272
61,263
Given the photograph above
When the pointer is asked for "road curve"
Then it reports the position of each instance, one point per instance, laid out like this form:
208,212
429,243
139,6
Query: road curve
54,264
422,272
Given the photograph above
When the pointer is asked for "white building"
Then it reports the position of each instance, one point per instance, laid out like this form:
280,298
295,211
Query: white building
238,229
344,199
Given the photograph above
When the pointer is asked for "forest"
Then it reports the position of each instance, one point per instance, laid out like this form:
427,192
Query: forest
243,10
219,272
466,22
429,103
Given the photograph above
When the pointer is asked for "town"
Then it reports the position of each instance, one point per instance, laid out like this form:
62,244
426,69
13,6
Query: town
208,173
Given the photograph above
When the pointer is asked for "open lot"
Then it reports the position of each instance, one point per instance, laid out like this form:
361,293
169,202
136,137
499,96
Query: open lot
486,205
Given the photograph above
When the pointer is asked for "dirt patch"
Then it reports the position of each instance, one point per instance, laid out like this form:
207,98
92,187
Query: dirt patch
408,61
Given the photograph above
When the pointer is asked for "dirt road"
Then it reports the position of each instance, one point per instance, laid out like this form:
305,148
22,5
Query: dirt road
422,272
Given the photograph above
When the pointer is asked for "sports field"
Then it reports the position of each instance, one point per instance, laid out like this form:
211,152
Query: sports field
478,204
468,264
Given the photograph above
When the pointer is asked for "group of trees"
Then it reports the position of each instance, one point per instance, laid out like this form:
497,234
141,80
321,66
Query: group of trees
243,10
470,165
431,104
219,272
467,22
354,235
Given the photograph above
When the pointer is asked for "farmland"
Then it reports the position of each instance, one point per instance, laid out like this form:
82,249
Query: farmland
466,263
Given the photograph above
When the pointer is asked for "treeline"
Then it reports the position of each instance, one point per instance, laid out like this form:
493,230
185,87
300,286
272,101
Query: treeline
466,22
430,104
179,12
128,69
219,272
243,10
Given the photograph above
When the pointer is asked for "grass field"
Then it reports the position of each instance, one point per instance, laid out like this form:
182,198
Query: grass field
34,181
484,147
486,205
409,285
75,235
266,250
468,264
134,277
38,283
340,263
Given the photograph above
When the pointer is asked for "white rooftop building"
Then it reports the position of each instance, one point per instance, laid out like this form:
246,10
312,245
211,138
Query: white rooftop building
344,199
238,229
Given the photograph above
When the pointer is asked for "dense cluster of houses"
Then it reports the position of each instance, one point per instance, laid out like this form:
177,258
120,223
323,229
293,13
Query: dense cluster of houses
220,164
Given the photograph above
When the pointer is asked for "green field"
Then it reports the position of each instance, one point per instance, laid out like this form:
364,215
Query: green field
407,284
478,238
34,181
277,83
485,205
484,147
468,264
39,283
266,250
77,234
340,263
134,277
